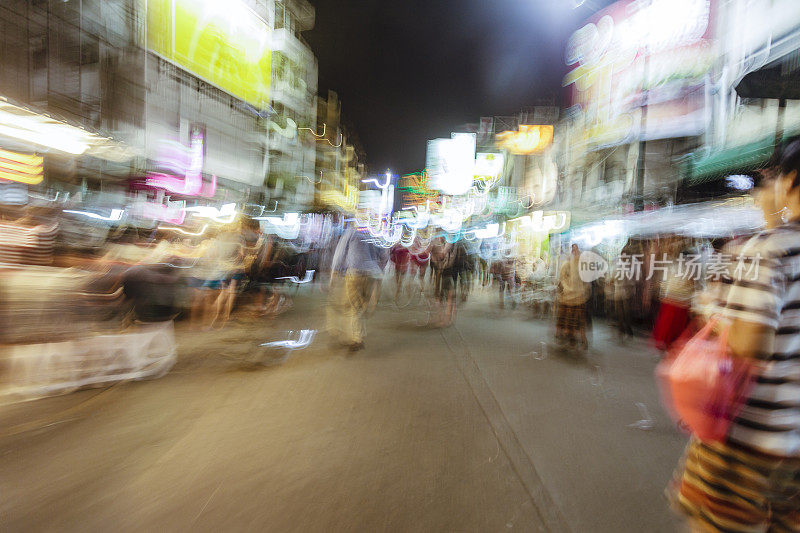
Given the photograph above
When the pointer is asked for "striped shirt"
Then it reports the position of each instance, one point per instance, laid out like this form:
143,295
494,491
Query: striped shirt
765,289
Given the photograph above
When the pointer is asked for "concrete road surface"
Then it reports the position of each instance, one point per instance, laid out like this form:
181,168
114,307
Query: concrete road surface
477,427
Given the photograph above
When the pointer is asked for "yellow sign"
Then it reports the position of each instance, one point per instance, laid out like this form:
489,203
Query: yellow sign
527,141
224,42
22,168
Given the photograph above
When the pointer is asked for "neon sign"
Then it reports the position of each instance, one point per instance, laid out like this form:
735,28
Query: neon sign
22,168
175,156
172,212
527,141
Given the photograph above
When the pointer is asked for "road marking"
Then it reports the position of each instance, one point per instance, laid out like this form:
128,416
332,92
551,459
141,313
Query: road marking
550,515
207,502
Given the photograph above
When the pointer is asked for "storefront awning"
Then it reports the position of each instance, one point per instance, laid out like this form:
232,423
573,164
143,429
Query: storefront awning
778,80
734,160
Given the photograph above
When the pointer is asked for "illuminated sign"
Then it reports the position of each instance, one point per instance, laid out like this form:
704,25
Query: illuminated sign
22,168
451,163
225,43
545,222
172,212
489,167
384,203
414,190
188,161
527,141
347,199
632,53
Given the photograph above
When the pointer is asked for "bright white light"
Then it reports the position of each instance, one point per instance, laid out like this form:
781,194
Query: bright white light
451,163
377,183
307,279
597,233
170,228
25,125
523,221
302,341
490,231
116,214
739,182
224,215
287,227
44,138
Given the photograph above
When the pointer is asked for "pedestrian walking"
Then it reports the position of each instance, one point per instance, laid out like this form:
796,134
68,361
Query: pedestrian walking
751,480
573,294
356,272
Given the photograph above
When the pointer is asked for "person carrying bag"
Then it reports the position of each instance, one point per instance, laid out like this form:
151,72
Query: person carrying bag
741,469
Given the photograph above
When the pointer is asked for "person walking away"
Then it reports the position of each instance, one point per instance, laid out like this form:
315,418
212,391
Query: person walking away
464,267
443,256
361,263
401,259
751,480
573,293
506,277
676,292
624,290
421,257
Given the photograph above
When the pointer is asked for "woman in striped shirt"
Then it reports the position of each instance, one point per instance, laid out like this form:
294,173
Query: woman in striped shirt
751,482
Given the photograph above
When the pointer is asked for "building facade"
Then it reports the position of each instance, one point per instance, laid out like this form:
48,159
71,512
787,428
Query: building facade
161,88
340,164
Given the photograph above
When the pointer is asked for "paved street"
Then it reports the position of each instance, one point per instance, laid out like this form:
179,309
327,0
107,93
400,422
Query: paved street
477,427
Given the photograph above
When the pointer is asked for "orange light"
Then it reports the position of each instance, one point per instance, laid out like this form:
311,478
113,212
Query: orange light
22,168
528,140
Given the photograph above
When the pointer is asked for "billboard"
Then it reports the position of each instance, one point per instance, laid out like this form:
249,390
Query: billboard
489,166
528,140
225,43
450,163
634,54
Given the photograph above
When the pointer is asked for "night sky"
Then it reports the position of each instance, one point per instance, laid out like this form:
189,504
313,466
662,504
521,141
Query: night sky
412,70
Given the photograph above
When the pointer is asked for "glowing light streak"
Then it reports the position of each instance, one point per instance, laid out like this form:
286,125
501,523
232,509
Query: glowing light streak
313,180
452,238
528,140
302,341
41,130
185,232
224,215
341,140
315,134
116,214
14,176
286,227
172,214
408,242
309,276
289,131
261,209
527,204
377,183
192,182
491,231
22,168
